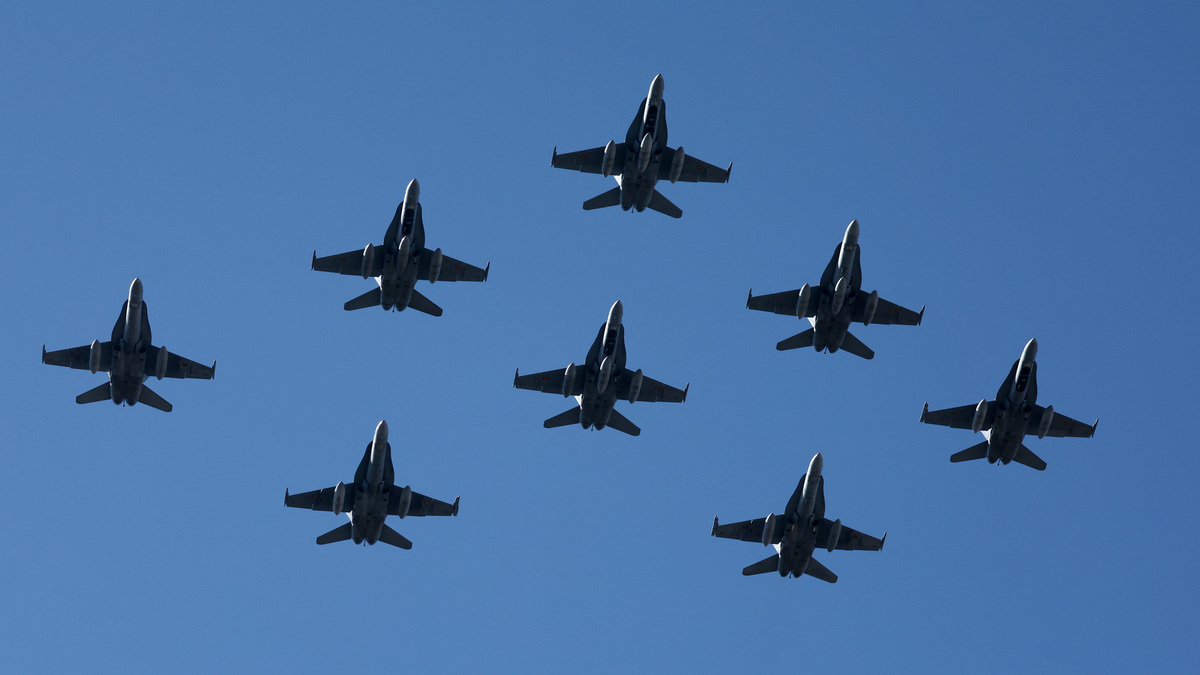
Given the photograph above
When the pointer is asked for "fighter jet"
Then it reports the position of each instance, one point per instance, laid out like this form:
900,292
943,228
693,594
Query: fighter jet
838,301
641,161
128,358
601,380
370,499
1006,420
802,527
400,262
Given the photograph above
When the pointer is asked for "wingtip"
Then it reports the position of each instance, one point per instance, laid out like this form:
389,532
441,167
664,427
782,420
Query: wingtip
729,172
43,353
715,524
749,296
553,155
924,410
921,316
685,391
285,496
486,270
313,264
1094,425
214,369
883,541
455,512
516,374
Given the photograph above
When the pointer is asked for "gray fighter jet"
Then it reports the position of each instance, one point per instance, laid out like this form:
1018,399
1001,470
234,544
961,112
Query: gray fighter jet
601,380
400,262
1006,420
371,499
641,161
838,301
802,527
128,358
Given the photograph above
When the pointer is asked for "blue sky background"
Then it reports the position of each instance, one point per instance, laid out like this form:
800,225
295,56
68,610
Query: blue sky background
1022,169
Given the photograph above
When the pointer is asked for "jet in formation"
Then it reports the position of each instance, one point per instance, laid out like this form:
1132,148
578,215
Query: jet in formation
129,358
371,499
641,161
600,382
835,304
1006,420
401,261
800,530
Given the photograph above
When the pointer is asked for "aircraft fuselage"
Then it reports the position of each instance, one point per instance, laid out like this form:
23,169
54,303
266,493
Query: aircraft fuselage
839,290
373,484
401,250
130,339
803,515
644,145
1014,405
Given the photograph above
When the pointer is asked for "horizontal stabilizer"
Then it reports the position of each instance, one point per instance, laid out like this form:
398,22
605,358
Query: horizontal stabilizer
101,393
148,397
390,536
974,452
1025,456
563,419
337,534
423,304
663,205
371,298
621,423
610,198
816,569
762,566
856,347
797,341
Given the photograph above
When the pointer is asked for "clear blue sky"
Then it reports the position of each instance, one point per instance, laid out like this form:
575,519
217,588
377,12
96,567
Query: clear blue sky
1022,169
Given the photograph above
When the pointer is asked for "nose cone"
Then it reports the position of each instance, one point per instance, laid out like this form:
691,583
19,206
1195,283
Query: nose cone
381,432
816,465
616,313
135,290
412,193
1030,352
851,237
656,88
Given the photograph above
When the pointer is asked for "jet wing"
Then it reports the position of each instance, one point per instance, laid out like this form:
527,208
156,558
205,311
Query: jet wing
693,171
79,357
1061,426
350,262
886,312
551,382
748,530
452,270
179,367
420,505
652,390
957,418
785,303
589,161
850,539
321,500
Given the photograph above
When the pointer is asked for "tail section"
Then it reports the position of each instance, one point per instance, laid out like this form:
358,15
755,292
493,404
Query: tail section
390,536
563,419
101,393
1025,456
148,397
856,347
973,452
621,423
423,304
610,198
816,569
337,534
371,298
663,205
762,566
797,341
